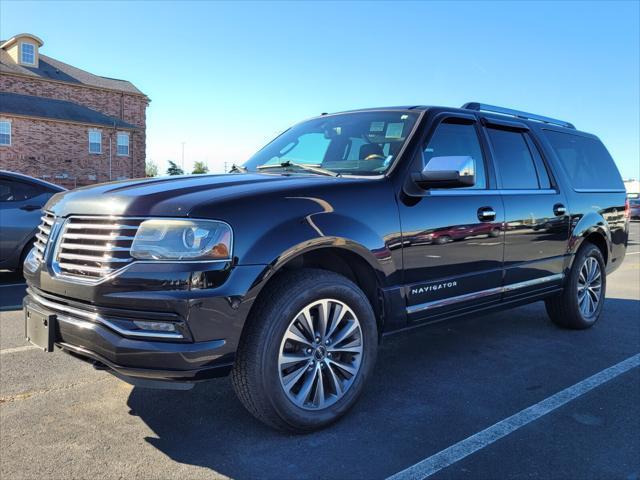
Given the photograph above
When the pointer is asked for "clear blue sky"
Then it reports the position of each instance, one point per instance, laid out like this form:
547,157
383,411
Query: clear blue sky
226,77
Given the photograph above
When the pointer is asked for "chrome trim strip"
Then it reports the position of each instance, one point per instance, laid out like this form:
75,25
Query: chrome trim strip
93,248
90,236
482,293
102,226
527,191
453,300
531,283
83,268
94,317
94,258
599,190
485,191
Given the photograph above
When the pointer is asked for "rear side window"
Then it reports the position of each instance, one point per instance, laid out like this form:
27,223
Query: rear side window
513,159
586,161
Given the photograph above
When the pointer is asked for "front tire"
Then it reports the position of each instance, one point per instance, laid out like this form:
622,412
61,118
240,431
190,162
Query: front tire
307,351
580,304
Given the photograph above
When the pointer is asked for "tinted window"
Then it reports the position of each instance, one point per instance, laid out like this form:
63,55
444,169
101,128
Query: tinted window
513,159
12,191
586,161
543,174
452,139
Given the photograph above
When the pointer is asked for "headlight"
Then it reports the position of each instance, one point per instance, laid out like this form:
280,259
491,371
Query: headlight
164,239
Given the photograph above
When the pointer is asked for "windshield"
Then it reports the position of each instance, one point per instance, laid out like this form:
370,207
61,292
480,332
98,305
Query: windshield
362,143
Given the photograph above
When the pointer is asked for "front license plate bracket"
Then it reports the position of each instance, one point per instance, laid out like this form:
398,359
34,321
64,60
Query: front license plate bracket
40,328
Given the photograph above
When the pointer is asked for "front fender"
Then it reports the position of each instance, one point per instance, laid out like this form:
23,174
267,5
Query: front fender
294,237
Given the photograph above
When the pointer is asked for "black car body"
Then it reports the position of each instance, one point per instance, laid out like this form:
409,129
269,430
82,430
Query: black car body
21,200
376,230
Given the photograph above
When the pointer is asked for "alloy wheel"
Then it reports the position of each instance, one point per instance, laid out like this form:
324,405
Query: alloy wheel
320,354
589,287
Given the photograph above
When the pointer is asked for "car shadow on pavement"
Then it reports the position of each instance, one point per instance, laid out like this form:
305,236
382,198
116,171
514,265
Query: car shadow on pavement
430,389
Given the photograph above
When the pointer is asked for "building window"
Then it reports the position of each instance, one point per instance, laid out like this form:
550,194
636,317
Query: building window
5,132
28,53
95,141
123,144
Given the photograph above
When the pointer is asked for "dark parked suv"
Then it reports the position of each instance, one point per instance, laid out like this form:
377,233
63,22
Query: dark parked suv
288,272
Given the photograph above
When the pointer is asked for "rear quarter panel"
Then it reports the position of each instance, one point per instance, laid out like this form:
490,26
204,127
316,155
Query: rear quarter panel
598,211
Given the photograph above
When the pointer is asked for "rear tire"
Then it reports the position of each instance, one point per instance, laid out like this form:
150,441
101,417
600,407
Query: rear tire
580,304
291,379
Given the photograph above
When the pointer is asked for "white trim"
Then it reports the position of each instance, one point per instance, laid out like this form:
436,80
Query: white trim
21,53
125,134
495,432
99,132
6,120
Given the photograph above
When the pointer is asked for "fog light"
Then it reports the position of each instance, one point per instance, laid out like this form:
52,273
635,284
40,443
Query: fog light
155,326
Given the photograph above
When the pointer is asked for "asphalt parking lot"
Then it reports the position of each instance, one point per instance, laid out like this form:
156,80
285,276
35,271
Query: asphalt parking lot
433,388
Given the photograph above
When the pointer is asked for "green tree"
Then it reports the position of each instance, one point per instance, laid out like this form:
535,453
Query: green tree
174,169
200,167
150,169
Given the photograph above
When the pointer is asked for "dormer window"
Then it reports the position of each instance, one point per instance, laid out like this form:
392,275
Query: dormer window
23,49
28,53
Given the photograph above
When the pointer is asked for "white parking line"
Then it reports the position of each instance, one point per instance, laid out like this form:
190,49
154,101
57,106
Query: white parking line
13,285
17,349
486,437
633,253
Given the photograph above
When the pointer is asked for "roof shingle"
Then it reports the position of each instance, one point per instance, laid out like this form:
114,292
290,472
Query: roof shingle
30,106
52,69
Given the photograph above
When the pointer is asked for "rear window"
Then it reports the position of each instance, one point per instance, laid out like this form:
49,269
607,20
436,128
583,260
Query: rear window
586,161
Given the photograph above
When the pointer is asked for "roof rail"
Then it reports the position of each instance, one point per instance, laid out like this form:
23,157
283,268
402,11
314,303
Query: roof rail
516,113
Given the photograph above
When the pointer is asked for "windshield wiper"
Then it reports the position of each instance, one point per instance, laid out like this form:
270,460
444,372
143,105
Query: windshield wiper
302,166
238,169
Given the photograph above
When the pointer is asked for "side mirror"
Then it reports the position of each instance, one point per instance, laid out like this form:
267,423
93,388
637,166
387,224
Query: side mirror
447,172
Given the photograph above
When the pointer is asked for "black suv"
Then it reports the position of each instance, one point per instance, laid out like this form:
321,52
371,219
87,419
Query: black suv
289,271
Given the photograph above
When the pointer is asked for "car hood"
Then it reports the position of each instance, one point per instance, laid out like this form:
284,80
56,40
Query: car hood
171,196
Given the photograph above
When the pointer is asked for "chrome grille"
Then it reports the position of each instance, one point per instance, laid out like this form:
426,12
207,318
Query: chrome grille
94,247
42,237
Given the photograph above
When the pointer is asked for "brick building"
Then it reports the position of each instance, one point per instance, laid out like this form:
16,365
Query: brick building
66,125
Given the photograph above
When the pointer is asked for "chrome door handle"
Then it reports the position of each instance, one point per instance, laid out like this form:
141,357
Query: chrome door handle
559,210
486,214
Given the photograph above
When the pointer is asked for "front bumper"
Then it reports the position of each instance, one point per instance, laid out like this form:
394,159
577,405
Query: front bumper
150,359
94,322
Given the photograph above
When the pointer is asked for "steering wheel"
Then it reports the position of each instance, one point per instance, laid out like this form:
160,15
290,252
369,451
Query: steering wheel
375,156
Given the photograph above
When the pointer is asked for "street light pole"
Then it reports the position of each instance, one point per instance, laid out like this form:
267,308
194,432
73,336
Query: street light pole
182,166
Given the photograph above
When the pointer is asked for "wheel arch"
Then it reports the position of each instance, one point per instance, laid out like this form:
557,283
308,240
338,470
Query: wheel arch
594,229
341,256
